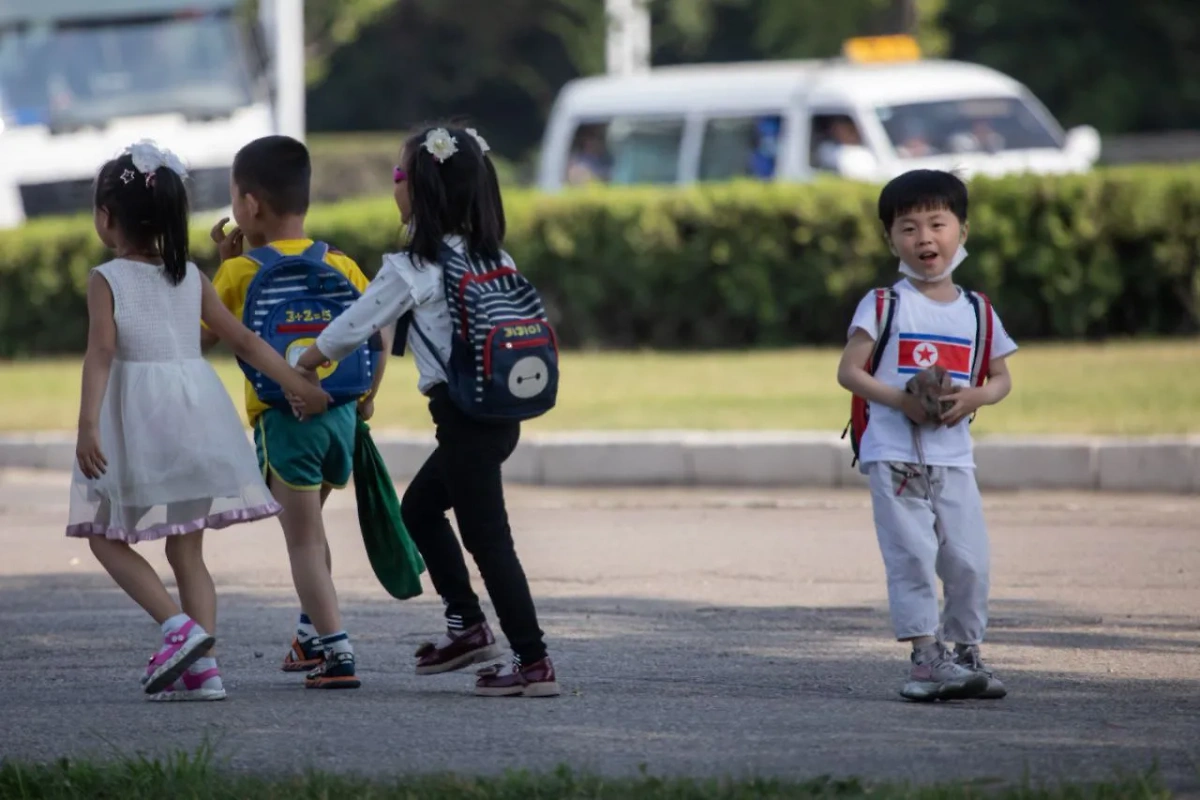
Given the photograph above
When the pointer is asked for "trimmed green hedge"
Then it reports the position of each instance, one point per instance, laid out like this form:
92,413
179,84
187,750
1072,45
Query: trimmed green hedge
1111,253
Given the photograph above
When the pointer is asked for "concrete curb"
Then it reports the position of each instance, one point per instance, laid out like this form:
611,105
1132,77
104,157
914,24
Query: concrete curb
758,459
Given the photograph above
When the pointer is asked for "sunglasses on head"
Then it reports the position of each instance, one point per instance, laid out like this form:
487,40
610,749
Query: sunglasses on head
399,175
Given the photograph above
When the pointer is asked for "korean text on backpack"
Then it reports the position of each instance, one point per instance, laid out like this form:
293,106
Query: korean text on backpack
503,351
290,301
886,302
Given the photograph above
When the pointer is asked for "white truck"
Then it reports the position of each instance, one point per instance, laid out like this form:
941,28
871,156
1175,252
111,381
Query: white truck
81,79
878,111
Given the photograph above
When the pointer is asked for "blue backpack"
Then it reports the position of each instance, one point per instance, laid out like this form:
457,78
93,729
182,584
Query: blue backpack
503,353
289,302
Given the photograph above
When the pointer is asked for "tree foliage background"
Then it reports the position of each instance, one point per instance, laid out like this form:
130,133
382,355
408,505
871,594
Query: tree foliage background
392,64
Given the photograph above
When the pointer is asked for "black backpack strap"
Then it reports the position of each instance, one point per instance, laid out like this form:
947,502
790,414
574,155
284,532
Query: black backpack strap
890,300
400,343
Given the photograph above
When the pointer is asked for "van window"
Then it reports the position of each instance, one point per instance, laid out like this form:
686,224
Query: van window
830,132
740,147
978,125
626,151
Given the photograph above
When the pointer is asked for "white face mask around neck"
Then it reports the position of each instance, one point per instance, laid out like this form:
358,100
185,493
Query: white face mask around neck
911,273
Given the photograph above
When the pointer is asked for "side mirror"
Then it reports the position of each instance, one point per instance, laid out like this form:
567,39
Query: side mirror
857,163
1083,143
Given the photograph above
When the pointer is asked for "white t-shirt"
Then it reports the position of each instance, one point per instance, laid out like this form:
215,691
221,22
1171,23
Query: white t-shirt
924,332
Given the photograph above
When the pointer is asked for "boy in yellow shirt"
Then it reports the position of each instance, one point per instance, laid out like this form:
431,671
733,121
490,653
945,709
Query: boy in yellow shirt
301,460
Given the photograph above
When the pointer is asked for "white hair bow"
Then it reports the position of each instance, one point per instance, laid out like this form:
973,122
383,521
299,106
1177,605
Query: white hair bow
148,157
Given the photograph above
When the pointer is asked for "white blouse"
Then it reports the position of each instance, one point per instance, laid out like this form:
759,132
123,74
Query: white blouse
398,287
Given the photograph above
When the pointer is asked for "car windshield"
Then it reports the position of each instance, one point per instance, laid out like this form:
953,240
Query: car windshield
978,125
74,74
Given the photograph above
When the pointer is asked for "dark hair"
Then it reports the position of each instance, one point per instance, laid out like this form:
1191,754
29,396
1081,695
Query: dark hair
150,210
922,190
277,170
460,195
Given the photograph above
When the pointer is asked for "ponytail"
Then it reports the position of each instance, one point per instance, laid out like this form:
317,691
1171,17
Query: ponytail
170,222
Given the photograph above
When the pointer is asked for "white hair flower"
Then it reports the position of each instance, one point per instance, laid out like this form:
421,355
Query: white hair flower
440,144
482,142
148,157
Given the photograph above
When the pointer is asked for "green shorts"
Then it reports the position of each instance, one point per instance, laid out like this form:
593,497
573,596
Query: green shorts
307,455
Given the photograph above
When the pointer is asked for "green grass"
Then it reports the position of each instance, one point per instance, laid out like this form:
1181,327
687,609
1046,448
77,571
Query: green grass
1127,388
194,777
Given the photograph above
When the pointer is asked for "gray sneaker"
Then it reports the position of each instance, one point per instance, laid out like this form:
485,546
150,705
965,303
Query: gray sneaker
936,676
967,656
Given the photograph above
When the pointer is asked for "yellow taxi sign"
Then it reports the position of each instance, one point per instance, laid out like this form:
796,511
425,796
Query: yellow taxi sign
866,49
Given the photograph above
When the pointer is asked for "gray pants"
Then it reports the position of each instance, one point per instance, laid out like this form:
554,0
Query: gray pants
916,551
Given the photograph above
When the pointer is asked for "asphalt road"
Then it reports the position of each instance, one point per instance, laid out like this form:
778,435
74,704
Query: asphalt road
702,633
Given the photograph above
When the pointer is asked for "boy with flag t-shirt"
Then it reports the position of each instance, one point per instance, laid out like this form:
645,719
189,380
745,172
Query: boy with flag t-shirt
927,508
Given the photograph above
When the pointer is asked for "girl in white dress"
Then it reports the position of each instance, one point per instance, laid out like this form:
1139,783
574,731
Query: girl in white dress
161,451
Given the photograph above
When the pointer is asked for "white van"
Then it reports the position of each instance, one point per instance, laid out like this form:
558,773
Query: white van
857,117
81,79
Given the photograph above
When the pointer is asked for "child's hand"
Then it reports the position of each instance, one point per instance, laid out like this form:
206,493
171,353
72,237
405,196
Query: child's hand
966,400
228,245
366,409
92,462
315,401
914,409
309,375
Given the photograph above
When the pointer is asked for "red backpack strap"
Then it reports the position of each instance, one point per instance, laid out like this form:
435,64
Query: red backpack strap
983,337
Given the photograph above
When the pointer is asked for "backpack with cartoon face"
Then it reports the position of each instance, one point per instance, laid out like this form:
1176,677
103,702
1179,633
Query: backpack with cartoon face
504,353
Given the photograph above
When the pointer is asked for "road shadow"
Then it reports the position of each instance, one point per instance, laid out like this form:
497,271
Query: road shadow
685,687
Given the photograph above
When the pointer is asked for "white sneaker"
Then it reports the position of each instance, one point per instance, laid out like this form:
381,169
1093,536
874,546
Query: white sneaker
967,656
936,676
193,686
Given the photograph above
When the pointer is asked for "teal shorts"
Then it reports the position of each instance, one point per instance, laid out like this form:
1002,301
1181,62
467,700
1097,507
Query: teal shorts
308,455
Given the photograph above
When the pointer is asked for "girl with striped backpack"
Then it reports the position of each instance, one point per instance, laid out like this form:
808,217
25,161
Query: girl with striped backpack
487,359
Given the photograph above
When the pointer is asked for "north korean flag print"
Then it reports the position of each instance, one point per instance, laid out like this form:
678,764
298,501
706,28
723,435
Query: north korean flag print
920,351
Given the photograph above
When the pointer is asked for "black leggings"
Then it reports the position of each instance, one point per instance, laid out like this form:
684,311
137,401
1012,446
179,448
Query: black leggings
463,473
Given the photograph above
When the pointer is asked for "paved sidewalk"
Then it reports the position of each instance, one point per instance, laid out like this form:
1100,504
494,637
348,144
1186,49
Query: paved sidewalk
698,632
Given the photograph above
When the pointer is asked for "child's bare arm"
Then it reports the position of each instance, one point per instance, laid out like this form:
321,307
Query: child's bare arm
854,377
97,367
252,349
968,399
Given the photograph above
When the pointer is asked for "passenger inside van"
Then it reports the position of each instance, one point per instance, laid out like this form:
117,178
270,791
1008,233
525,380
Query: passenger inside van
832,132
589,160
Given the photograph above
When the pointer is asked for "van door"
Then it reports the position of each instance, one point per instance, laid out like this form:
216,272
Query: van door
741,146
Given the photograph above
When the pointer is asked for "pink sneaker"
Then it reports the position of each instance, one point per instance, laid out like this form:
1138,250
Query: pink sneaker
204,685
181,647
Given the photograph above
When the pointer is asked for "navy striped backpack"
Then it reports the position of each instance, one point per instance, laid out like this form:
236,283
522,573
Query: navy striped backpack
503,352
291,299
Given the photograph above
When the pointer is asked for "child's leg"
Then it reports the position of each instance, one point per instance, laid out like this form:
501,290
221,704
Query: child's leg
477,495
306,630
423,509
908,541
185,640
135,575
963,560
963,565
197,594
908,544
304,532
